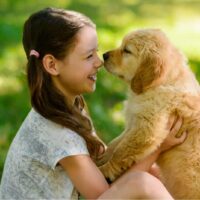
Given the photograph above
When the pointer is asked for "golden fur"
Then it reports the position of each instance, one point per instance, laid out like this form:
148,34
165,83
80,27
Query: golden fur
160,83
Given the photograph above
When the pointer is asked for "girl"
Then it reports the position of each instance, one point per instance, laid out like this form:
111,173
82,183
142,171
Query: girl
55,148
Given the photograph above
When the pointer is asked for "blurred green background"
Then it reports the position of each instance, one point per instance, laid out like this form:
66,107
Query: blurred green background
180,19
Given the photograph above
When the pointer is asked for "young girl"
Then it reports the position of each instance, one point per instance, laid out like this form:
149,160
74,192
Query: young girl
54,150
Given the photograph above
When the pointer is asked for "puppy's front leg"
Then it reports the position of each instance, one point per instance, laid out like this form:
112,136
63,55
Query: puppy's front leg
135,144
109,151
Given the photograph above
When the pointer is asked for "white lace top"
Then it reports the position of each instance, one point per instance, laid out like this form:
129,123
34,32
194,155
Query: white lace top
31,170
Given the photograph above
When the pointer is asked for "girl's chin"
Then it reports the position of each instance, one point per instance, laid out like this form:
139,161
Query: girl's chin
91,89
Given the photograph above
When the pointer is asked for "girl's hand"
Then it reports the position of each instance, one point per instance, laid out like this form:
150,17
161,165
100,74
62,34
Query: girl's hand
173,128
174,125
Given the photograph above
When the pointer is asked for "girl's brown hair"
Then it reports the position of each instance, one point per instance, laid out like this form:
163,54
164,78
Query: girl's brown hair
53,31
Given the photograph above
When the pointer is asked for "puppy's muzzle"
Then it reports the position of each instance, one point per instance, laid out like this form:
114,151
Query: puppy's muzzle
106,56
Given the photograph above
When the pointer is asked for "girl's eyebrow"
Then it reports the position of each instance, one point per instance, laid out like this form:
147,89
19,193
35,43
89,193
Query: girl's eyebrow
91,50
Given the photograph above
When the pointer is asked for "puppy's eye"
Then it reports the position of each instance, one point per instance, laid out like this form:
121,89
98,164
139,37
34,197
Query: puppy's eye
127,51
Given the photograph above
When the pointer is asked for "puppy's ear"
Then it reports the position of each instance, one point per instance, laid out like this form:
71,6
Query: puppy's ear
150,72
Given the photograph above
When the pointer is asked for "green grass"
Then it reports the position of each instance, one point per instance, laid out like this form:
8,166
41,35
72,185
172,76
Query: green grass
180,20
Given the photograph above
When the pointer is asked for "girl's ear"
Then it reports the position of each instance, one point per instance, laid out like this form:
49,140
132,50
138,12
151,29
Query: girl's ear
50,64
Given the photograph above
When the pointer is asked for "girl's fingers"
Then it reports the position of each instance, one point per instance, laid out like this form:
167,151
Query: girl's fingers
182,137
176,125
171,121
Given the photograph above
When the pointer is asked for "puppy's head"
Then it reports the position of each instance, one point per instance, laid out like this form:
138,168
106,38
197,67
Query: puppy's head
142,60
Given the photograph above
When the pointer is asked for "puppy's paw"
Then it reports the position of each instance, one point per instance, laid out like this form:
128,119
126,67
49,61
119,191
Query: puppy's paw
104,158
110,171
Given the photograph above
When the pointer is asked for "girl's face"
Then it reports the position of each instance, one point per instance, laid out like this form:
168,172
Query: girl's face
78,70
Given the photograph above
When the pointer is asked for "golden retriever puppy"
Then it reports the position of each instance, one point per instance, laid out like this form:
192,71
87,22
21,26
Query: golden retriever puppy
160,83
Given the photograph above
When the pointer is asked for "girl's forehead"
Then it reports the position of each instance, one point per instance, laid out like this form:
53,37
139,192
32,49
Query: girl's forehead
86,38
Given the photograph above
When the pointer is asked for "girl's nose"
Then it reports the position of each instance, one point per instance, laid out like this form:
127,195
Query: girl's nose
99,63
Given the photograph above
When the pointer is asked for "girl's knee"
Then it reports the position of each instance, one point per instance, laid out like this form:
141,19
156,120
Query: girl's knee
137,181
145,185
141,178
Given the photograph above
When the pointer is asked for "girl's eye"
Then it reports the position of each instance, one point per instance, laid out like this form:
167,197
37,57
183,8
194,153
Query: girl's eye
90,56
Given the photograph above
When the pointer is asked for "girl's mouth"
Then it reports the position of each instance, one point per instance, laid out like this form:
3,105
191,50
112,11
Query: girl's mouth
93,77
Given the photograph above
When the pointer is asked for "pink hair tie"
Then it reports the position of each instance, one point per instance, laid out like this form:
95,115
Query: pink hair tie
34,53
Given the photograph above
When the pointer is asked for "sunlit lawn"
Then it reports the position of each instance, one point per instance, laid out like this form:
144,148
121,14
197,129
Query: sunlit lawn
179,19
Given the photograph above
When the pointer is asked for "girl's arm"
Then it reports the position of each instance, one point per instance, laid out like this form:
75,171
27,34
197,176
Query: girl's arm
85,175
89,180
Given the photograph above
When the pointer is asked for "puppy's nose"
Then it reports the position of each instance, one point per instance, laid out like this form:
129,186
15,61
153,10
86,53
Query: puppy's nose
105,56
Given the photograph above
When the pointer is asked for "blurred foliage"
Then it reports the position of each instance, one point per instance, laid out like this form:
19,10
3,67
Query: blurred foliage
180,19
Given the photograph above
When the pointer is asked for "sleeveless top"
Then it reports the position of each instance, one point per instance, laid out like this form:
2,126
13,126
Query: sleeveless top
31,169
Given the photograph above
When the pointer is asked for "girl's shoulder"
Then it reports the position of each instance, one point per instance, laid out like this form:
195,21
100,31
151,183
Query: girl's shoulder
46,128
43,140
